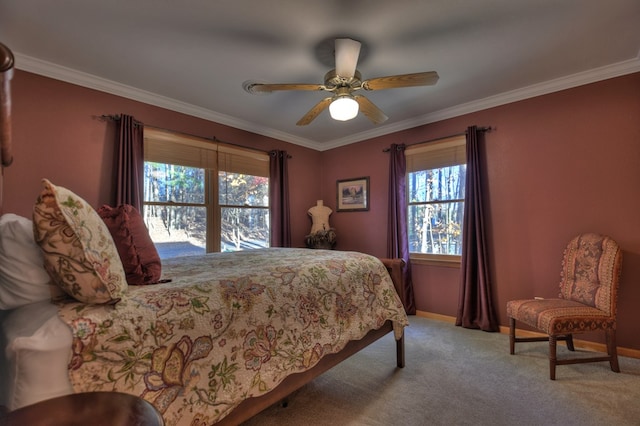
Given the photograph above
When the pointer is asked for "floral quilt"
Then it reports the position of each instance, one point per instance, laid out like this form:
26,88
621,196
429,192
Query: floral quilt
228,326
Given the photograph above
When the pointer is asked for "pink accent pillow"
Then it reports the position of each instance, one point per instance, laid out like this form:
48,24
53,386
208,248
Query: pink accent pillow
137,252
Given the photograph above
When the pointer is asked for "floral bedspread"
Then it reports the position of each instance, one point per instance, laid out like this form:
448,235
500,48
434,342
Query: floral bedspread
227,327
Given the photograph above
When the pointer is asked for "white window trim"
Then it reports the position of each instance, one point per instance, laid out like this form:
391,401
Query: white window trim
445,260
455,146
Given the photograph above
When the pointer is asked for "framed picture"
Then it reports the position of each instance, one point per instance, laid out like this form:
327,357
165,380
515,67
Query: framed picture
353,194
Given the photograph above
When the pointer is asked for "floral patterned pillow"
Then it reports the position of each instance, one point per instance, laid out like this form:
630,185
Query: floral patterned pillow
78,249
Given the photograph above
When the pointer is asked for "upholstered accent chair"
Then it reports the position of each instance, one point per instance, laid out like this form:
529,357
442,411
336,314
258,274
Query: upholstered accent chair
587,301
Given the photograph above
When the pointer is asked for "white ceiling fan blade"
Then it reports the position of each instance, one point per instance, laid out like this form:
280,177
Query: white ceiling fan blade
347,52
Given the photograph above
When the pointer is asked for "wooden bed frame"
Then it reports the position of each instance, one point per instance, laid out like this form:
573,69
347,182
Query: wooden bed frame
6,72
251,406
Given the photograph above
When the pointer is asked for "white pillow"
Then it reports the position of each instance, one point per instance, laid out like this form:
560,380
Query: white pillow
33,365
23,279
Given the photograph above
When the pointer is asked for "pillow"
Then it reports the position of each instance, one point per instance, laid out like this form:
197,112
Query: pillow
23,279
34,363
137,252
79,252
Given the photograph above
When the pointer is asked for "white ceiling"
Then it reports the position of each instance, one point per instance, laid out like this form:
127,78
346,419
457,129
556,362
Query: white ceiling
193,56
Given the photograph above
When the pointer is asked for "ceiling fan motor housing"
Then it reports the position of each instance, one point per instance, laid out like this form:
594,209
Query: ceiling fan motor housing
332,80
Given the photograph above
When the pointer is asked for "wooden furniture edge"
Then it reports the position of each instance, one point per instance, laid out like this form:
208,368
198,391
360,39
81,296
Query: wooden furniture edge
6,72
113,408
394,267
252,406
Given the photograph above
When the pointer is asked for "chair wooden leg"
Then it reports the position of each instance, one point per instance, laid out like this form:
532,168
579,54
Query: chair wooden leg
552,357
569,340
400,352
612,350
512,335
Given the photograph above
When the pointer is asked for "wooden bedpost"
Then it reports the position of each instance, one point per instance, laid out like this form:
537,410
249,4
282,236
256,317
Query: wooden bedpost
6,72
394,266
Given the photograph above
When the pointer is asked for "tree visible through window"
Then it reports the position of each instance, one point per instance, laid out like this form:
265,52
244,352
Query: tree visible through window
436,207
201,196
436,175
174,208
244,205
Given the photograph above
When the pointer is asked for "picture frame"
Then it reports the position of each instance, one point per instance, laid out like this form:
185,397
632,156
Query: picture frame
352,194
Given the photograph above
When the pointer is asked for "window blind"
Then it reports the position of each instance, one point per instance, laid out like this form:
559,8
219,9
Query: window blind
162,146
437,154
241,160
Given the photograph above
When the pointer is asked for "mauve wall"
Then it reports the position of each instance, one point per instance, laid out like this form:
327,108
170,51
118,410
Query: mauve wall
556,165
57,135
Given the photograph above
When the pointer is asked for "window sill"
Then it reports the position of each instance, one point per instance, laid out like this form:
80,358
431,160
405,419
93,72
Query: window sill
446,261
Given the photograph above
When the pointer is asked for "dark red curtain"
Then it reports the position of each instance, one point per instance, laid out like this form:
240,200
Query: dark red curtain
397,234
475,305
130,162
279,199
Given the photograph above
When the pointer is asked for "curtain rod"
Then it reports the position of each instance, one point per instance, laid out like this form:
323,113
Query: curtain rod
116,117
215,139
482,129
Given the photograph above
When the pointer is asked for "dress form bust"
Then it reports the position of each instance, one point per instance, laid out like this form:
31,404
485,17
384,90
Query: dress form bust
320,217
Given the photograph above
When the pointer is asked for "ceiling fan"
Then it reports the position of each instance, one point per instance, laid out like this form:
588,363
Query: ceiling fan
343,81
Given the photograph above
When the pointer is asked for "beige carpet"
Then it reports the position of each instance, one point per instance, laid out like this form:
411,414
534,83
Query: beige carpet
456,376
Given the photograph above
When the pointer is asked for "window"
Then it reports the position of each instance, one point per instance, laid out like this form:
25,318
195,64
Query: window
436,174
204,196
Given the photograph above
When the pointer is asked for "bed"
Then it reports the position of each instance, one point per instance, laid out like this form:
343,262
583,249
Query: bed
217,339
152,343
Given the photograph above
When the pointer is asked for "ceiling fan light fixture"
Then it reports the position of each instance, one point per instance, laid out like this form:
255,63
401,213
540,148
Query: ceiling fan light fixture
342,82
343,108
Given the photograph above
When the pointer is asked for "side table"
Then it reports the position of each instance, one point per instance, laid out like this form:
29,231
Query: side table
90,408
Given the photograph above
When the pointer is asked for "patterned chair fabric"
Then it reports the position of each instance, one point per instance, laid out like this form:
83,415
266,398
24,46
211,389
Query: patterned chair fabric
587,301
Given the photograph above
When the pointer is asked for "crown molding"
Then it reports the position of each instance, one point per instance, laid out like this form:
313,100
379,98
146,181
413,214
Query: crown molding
591,76
90,81
58,72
